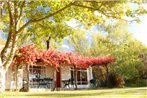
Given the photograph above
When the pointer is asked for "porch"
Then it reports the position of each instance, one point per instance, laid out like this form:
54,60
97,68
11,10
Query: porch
46,77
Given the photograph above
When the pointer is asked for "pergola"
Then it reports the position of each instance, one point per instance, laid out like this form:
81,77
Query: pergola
29,55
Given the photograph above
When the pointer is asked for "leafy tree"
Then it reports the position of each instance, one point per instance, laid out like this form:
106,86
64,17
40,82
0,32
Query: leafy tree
119,43
47,17
79,41
126,50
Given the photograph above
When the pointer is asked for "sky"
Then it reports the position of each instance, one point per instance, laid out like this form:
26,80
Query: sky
139,30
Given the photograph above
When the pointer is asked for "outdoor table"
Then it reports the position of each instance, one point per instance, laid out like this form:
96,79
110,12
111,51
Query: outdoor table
42,82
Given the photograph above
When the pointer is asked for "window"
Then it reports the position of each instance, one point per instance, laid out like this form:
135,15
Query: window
37,71
81,76
38,77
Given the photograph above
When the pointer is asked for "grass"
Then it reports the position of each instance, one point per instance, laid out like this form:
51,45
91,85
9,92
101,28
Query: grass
99,93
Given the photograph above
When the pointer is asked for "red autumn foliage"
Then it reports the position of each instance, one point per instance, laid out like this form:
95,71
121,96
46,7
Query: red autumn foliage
30,55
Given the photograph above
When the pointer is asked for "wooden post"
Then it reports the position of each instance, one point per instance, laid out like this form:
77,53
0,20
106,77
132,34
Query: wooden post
58,78
75,77
107,74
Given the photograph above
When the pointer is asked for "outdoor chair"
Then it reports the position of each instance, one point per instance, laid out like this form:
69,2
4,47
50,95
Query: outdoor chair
93,83
67,83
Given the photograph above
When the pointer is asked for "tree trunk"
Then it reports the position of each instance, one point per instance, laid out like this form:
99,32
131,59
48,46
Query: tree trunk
2,79
3,69
7,56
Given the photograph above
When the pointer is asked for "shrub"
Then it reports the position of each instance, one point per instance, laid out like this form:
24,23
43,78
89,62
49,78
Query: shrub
136,83
115,80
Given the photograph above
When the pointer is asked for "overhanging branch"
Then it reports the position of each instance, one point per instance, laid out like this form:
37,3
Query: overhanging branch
102,12
40,19
94,9
52,14
26,24
21,8
10,14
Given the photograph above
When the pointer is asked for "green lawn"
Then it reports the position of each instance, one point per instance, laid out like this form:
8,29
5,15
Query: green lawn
99,93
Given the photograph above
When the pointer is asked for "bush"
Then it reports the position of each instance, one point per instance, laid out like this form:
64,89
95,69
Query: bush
115,80
142,83
136,83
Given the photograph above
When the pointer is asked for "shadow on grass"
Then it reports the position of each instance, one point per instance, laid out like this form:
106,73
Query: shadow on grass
78,94
60,95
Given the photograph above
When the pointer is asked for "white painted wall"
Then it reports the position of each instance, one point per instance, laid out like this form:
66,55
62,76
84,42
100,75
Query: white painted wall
50,71
65,73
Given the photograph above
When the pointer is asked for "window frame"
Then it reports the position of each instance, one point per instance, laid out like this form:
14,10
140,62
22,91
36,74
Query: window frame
80,74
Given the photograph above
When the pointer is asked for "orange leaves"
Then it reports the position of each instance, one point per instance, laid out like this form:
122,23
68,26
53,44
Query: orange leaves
30,55
100,60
